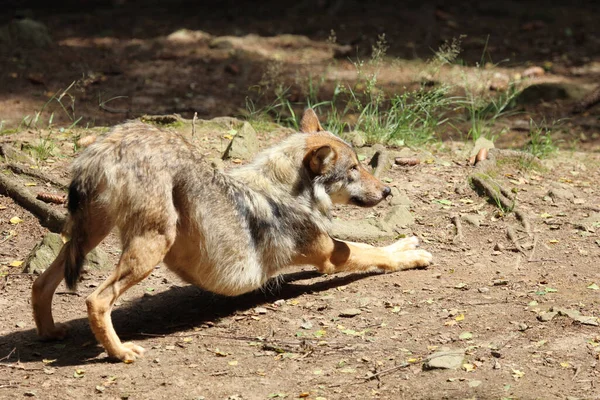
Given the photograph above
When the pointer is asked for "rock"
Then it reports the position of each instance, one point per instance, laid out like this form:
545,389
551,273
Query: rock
14,154
188,36
356,138
450,359
399,217
473,219
483,289
360,230
547,316
533,72
42,255
523,327
481,143
557,193
244,144
260,310
25,33
216,163
550,91
589,223
474,383
585,320
575,315
350,312
399,198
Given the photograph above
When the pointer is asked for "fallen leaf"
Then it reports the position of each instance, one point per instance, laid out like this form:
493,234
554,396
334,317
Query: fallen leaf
319,333
15,220
444,202
233,363
47,361
16,263
31,184
461,317
517,374
468,367
465,336
565,365
78,373
220,353
593,286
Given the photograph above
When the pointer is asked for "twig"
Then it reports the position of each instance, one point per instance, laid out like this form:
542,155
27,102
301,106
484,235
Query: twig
16,366
194,124
386,371
458,237
588,101
6,357
49,217
11,386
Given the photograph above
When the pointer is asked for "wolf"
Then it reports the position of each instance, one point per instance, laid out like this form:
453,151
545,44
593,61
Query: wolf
226,232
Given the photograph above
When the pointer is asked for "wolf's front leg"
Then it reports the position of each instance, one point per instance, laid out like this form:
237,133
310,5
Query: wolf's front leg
330,255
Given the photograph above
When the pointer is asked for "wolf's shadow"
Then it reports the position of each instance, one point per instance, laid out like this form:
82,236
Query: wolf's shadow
173,310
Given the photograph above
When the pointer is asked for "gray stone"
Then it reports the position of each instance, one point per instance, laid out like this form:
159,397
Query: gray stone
399,198
14,154
481,143
450,359
473,219
356,138
589,223
557,193
550,91
350,312
547,316
42,255
359,230
399,217
244,144
25,33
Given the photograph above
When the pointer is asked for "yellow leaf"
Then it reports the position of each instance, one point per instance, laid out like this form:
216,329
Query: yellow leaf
545,215
47,361
16,263
318,372
412,360
15,220
233,363
228,137
565,365
517,374
468,367
450,323
2,207
187,339
30,184
553,241
461,317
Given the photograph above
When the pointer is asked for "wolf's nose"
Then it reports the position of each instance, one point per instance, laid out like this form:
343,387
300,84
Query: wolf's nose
386,191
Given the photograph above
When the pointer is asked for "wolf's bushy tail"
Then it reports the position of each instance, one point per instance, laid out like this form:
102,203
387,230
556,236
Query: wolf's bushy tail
75,255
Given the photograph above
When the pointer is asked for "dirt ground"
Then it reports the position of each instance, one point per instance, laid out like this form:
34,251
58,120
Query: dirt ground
484,294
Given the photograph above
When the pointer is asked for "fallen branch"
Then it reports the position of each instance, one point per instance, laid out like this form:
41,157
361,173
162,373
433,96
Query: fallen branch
48,216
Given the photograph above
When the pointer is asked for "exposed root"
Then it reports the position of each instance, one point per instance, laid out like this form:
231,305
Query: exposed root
458,237
588,101
22,170
48,216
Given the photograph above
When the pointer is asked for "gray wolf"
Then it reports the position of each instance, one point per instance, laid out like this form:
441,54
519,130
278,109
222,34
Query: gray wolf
227,232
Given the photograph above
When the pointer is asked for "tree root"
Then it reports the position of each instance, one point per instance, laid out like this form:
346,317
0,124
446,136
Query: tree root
458,237
48,216
503,198
22,170
380,160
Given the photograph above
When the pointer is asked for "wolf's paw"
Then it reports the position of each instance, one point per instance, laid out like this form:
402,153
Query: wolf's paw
57,332
128,352
409,243
410,259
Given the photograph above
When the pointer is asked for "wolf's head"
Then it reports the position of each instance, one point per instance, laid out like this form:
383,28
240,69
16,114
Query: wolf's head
335,169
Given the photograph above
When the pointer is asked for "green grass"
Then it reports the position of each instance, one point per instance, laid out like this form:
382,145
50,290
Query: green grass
541,144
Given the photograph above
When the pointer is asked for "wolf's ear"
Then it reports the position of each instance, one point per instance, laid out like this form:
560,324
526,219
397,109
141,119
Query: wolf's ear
321,159
310,122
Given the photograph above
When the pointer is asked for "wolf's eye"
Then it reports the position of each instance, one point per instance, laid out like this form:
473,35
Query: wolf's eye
354,168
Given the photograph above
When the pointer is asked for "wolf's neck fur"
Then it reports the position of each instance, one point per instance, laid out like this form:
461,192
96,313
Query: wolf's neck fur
279,172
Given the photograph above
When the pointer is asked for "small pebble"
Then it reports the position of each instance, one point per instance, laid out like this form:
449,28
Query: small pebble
350,312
